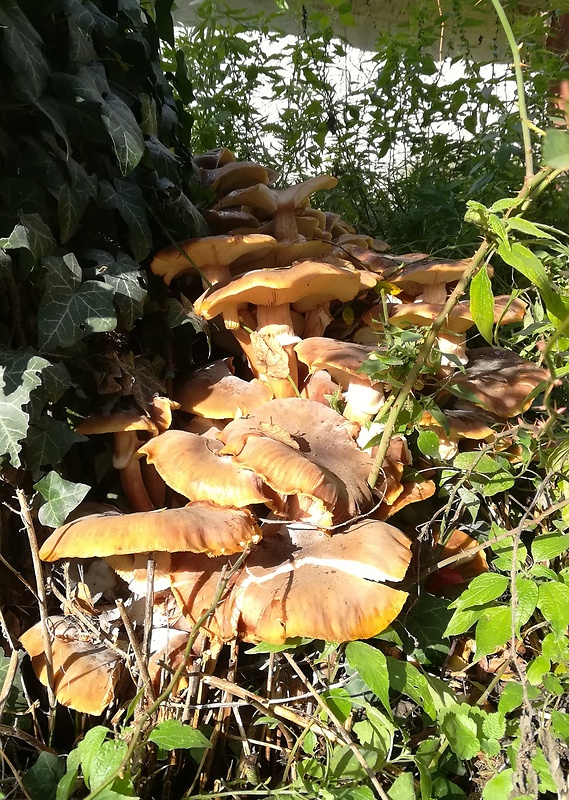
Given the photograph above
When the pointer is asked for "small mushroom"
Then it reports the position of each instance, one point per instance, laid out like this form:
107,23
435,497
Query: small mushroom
85,672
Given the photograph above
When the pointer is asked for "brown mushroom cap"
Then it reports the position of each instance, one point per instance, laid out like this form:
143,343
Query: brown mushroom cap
85,673
198,528
214,391
324,588
236,175
212,159
282,255
212,255
190,465
124,424
226,221
500,379
312,453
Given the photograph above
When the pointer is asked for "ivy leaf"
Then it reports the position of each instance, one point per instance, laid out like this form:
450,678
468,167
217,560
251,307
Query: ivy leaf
21,44
41,780
19,376
61,498
125,276
47,442
71,205
124,130
371,665
127,199
173,734
31,233
70,310
482,303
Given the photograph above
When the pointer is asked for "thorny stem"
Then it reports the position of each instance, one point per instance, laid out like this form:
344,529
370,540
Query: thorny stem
526,193
26,516
118,773
524,119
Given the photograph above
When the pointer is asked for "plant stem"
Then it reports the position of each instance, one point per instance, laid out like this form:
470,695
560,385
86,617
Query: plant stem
526,133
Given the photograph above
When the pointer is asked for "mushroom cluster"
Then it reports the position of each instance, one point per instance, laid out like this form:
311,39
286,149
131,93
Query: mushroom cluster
271,451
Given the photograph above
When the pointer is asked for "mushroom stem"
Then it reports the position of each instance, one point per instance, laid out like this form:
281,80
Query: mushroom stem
285,228
134,488
362,400
126,443
155,486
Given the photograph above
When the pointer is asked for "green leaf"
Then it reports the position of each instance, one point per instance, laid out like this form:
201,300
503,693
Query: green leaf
494,629
41,780
428,444
21,46
408,680
556,149
531,267
402,788
48,441
61,498
31,233
125,276
124,130
71,205
106,759
537,668
426,623
173,734
460,731
462,621
19,376
266,647
511,698
473,461
554,604
560,724
547,546
66,785
481,590
70,310
526,592
339,702
371,665
482,303
524,226
494,725
500,786
128,200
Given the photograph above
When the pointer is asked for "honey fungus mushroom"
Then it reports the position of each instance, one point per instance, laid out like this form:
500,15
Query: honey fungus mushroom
299,584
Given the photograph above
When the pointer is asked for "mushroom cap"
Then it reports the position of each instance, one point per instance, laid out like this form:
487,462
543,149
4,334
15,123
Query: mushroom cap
85,673
413,492
226,221
307,284
283,255
117,422
429,272
212,159
161,412
271,200
325,588
133,569
190,465
199,528
236,175
500,379
340,359
206,251
312,452
214,391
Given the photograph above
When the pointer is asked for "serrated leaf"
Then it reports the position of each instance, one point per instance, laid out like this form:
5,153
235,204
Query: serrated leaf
33,234
106,759
494,629
460,731
482,303
556,149
70,310
371,665
47,442
41,780
128,200
173,734
124,130
462,621
61,498
494,725
481,590
553,603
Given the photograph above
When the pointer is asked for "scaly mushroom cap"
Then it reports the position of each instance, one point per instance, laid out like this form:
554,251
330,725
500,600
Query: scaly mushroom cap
85,673
310,442
324,589
212,255
190,465
214,391
500,379
198,528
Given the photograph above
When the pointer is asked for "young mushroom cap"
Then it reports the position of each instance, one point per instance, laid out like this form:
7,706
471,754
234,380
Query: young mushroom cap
191,465
198,528
212,255
212,159
214,391
85,673
236,175
501,380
